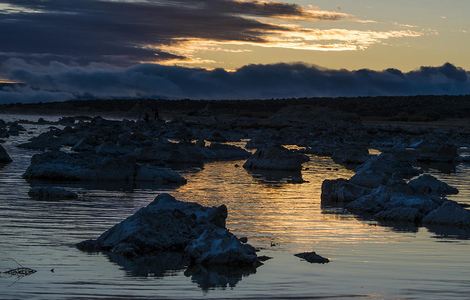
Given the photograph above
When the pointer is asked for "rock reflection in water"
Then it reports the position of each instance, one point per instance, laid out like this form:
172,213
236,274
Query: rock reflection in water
217,276
173,263
273,177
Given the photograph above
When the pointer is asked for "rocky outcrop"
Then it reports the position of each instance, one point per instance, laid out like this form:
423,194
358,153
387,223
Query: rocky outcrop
51,194
4,157
276,158
167,224
61,166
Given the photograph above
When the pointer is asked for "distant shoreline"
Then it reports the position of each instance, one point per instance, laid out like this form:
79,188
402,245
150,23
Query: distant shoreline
403,109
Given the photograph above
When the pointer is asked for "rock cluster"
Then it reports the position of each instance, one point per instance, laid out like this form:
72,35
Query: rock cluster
379,190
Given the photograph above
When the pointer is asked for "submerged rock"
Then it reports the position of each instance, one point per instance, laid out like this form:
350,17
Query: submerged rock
167,224
4,157
276,158
51,193
313,258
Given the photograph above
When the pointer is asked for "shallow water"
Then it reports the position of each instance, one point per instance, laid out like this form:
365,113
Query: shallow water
368,260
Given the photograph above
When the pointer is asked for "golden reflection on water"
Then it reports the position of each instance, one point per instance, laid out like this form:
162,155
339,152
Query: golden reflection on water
283,213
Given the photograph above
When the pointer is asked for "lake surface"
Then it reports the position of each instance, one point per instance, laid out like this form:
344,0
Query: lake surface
368,261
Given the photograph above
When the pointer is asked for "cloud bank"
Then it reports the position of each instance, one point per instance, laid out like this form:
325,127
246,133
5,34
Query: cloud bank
58,81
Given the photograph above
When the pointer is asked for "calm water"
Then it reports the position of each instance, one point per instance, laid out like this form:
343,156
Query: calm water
368,260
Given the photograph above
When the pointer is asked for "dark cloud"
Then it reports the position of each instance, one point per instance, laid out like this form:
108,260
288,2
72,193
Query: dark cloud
119,31
58,81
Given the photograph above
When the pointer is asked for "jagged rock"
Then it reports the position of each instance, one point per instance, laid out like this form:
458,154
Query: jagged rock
166,225
428,184
276,158
51,193
313,258
449,213
217,246
4,157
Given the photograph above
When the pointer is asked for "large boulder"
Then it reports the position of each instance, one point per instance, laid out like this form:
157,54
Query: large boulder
169,225
276,158
4,157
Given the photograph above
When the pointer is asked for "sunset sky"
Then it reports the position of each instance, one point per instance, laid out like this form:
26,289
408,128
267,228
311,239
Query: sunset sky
229,34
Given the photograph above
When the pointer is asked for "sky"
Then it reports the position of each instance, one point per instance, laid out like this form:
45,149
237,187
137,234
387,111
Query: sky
63,49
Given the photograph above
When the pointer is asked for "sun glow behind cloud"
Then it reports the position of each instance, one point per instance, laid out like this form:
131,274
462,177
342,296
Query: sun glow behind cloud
184,32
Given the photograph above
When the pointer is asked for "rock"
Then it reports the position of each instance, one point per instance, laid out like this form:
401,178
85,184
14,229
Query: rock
351,155
341,191
436,152
372,203
148,173
422,203
61,166
217,151
276,158
313,258
400,214
169,225
378,170
427,184
166,224
4,157
51,193
217,246
172,153
449,213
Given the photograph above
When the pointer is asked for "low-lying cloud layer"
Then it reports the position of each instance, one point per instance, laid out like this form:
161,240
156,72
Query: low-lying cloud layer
58,81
